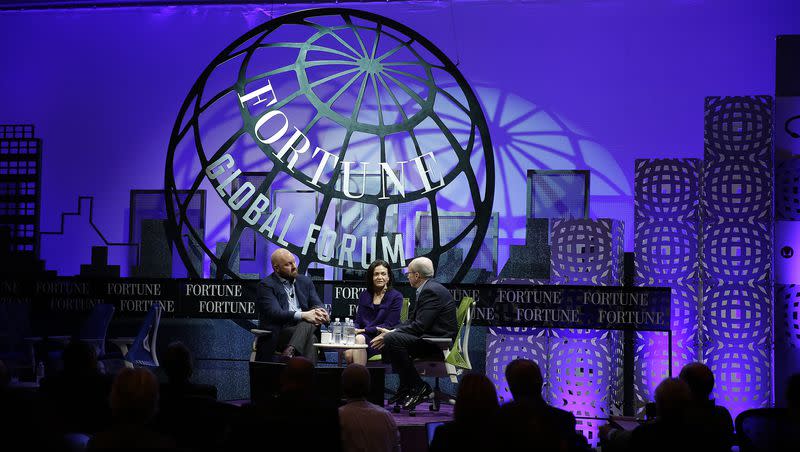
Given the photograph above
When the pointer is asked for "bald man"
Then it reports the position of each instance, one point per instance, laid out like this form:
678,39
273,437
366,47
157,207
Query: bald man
290,307
433,315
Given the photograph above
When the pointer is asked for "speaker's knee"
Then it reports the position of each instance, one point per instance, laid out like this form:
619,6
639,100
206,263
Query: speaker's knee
360,339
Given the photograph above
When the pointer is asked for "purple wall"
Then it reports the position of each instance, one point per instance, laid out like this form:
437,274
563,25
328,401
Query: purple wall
604,82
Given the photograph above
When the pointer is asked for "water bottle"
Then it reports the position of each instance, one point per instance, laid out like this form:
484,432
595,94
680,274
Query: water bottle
337,331
350,332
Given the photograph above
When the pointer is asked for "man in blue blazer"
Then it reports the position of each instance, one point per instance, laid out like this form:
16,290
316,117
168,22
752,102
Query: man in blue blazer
290,308
433,315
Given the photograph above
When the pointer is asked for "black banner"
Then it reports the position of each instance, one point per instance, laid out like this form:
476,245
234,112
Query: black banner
636,308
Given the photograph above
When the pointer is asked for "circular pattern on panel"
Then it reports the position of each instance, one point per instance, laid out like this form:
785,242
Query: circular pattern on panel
651,365
738,190
685,307
738,126
737,314
579,376
737,251
581,249
787,187
666,250
742,378
788,301
504,348
667,187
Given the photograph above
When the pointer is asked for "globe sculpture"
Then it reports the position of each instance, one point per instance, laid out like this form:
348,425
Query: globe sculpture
316,115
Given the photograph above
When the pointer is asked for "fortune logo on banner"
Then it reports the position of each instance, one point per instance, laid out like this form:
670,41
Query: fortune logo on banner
328,132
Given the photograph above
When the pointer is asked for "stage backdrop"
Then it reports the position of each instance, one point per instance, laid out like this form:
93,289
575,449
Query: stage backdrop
577,85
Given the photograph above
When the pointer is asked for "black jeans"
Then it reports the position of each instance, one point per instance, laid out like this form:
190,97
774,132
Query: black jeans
400,349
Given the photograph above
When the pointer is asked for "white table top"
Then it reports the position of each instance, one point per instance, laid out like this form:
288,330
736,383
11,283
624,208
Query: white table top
343,346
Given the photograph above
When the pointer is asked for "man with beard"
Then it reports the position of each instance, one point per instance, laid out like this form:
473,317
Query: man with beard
290,308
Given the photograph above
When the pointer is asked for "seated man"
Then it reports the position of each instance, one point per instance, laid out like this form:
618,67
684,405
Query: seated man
433,315
290,308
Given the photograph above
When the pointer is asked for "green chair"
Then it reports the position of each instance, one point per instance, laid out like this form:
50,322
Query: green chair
456,356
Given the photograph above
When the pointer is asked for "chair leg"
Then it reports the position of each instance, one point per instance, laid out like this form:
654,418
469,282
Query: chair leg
437,392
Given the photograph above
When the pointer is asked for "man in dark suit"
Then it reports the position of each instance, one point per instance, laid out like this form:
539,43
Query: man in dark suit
528,419
290,308
433,315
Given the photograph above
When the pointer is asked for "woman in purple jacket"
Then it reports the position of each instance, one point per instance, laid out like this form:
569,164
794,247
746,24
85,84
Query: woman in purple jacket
378,306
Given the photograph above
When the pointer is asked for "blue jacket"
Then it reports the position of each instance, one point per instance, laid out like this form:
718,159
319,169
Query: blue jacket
273,303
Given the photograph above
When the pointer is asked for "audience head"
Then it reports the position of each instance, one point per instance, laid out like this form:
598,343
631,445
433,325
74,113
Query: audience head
700,380
80,358
524,379
355,382
298,376
134,396
671,396
379,277
793,393
476,399
284,264
177,362
419,271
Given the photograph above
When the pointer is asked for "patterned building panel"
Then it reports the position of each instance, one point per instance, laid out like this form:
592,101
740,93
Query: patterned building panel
737,189
652,348
737,251
787,190
507,344
787,319
742,376
667,188
651,366
736,314
586,251
580,372
666,250
738,127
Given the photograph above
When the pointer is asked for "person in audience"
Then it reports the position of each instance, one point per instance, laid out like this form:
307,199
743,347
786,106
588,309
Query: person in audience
434,315
713,421
474,416
178,364
290,308
297,419
134,402
365,427
78,395
528,419
669,431
378,307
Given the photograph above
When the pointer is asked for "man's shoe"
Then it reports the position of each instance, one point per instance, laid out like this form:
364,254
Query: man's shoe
417,395
289,352
399,396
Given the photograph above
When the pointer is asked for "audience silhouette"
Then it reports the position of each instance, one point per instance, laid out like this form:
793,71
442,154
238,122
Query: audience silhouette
528,420
136,412
474,417
714,422
178,365
134,402
78,395
365,426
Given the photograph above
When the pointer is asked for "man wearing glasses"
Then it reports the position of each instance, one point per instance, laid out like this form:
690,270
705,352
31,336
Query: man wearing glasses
434,315
290,308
